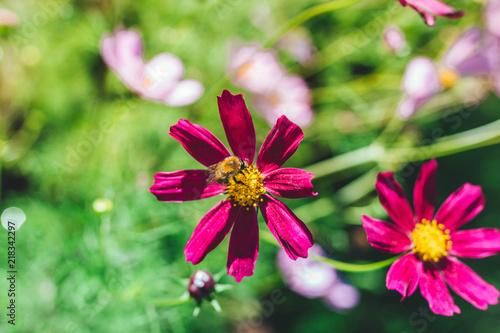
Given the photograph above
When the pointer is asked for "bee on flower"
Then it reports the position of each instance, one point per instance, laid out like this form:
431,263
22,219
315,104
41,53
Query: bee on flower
247,185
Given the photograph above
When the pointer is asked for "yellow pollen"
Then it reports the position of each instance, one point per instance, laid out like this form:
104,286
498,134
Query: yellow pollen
246,187
146,82
274,99
244,69
431,241
448,77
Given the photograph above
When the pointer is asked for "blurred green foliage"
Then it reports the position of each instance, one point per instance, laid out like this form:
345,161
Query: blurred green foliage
78,135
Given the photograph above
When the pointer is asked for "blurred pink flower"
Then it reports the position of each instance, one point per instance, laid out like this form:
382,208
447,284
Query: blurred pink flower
255,70
474,53
306,277
393,38
429,9
291,97
298,43
313,279
158,80
274,92
433,241
420,82
491,15
342,296
246,190
8,18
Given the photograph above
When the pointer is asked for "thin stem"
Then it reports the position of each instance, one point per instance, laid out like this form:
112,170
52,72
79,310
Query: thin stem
173,301
306,15
338,265
478,137
355,268
352,159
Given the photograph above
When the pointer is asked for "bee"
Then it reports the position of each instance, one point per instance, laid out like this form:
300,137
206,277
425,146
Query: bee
223,171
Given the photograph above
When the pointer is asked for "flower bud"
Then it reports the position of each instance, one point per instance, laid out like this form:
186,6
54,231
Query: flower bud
201,285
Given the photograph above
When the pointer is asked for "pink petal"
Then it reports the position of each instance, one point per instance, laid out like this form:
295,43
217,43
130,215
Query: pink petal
491,15
386,236
461,206
254,69
291,233
279,145
211,230
434,290
243,245
470,286
289,183
430,8
404,275
160,76
122,52
184,93
466,44
424,193
495,77
291,97
199,142
409,105
420,83
475,243
238,125
393,200
184,185
394,38
485,59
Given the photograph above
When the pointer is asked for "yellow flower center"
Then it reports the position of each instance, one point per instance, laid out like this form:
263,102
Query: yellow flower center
448,77
244,69
246,187
430,240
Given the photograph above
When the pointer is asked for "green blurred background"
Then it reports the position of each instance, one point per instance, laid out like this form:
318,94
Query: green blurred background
71,133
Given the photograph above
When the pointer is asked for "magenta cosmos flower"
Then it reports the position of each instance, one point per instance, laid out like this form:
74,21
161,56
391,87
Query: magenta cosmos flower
433,241
248,189
429,9
158,80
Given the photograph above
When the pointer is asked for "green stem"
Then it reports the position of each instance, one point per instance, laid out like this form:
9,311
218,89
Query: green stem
482,136
172,302
338,265
306,15
478,137
355,158
355,268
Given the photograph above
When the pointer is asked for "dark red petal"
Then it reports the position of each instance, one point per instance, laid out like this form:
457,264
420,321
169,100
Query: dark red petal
211,230
424,193
393,199
184,185
475,243
238,125
280,144
434,290
289,230
461,206
470,286
386,236
404,274
199,142
289,183
243,244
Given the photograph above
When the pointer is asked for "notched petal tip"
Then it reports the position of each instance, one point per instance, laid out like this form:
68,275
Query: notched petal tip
238,125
